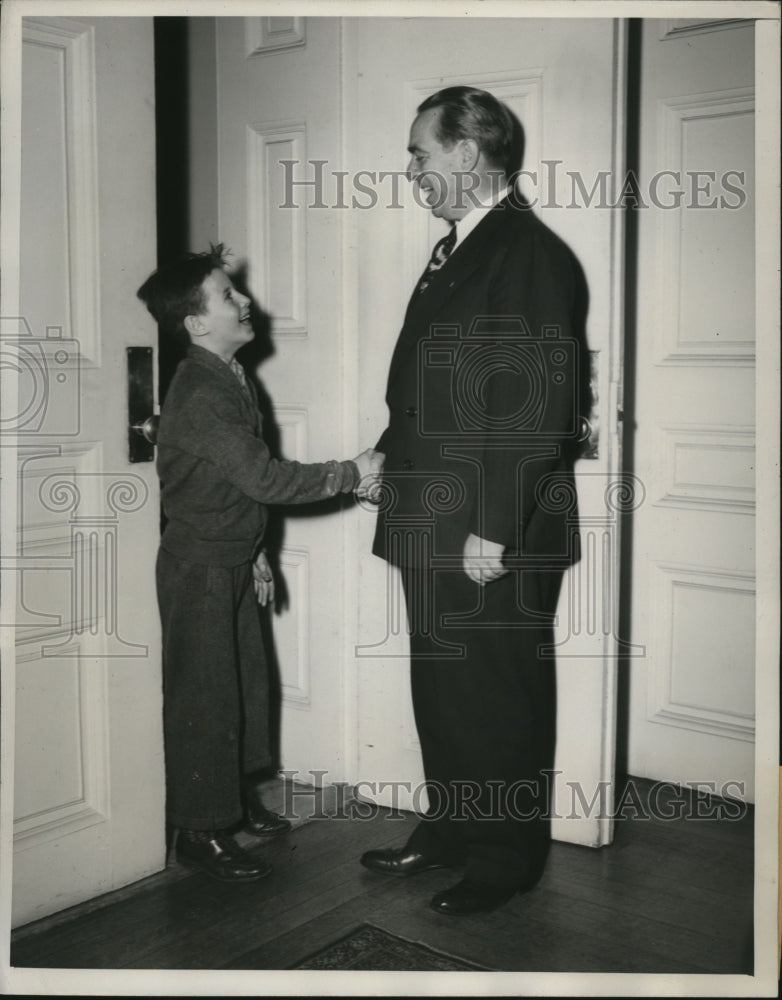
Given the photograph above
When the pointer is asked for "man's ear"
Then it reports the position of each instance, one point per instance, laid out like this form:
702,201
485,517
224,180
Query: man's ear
469,154
195,326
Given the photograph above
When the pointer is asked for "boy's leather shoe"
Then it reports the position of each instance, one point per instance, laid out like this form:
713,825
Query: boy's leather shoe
260,821
263,823
468,897
219,856
400,861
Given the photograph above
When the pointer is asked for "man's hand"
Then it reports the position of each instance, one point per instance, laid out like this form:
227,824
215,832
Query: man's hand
482,559
370,465
364,463
263,581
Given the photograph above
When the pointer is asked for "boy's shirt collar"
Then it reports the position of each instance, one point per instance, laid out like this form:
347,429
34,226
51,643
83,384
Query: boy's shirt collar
199,353
212,360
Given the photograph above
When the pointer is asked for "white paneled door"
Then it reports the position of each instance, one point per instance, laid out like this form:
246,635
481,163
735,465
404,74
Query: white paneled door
570,111
692,695
88,765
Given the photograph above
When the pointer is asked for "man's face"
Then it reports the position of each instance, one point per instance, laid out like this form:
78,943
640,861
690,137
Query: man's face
434,168
226,316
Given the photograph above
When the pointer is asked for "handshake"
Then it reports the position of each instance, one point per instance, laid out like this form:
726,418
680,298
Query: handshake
370,466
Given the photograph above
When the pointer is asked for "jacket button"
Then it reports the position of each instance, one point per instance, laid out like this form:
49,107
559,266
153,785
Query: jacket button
407,464
411,411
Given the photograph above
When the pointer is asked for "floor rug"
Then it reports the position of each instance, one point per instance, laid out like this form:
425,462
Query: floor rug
369,949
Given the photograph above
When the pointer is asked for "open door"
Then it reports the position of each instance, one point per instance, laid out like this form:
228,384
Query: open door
80,515
692,572
571,113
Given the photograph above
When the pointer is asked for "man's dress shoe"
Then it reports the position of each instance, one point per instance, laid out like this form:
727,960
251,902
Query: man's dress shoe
263,823
469,897
219,855
400,861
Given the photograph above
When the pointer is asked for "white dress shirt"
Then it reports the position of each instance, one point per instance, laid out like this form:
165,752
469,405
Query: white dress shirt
466,225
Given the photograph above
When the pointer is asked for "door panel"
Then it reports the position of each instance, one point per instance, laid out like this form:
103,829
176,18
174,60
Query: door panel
692,581
88,777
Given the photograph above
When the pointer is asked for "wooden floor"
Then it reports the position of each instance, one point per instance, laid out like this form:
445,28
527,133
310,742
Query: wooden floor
668,896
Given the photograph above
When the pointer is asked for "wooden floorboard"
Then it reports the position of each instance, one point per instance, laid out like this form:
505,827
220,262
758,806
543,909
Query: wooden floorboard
667,897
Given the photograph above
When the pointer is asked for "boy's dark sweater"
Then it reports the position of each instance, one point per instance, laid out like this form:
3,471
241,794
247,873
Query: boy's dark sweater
216,471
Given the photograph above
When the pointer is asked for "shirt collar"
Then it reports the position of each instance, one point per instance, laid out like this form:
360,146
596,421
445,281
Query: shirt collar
466,225
206,357
233,369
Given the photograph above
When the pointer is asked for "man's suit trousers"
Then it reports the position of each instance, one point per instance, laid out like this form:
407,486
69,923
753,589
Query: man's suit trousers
485,708
215,690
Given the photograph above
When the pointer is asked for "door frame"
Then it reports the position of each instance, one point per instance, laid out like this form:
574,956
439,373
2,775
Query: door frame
10,237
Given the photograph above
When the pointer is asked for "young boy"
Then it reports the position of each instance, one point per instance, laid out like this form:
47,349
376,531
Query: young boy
217,477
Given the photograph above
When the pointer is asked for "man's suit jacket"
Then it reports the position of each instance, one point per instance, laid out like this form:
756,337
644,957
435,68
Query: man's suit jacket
485,390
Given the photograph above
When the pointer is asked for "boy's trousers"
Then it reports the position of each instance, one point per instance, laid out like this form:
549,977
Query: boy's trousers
215,690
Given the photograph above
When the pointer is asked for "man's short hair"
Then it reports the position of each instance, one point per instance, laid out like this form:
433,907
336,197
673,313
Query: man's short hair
470,113
176,290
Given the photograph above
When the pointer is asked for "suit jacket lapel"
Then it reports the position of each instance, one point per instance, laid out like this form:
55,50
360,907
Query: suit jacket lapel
423,307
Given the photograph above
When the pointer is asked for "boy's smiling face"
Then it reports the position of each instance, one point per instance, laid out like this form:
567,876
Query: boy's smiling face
224,325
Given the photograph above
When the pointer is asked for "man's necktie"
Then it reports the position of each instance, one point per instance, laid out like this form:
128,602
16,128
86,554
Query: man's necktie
440,254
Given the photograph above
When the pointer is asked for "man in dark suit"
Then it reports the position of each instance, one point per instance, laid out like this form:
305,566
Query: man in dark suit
477,505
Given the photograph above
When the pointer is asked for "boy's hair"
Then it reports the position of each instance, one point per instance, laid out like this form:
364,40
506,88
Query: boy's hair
175,291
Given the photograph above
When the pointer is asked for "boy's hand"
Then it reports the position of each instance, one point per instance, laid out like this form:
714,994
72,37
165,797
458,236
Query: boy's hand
263,581
370,465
